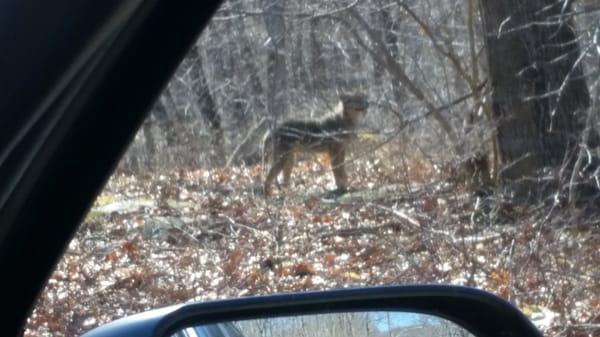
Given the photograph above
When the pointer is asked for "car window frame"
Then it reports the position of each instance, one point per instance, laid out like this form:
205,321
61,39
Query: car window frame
57,171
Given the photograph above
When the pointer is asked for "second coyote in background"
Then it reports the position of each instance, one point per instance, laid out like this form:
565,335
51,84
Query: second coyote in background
330,134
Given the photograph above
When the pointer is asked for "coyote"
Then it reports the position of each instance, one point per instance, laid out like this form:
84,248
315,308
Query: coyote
330,134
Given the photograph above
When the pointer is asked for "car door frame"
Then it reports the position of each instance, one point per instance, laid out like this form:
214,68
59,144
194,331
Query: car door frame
78,82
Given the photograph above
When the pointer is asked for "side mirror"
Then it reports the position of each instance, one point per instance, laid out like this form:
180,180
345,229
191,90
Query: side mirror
339,324
396,311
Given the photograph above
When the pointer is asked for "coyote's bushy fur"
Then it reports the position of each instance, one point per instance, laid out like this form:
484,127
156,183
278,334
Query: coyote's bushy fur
329,134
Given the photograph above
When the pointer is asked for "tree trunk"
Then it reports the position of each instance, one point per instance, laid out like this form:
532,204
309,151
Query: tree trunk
336,64
276,66
391,42
378,70
318,69
355,80
245,92
298,62
539,93
166,114
204,99
247,65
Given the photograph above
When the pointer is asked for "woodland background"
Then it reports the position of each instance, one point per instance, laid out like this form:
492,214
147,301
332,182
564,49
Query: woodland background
476,164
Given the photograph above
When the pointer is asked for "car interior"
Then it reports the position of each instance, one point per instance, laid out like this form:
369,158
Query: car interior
84,81
79,89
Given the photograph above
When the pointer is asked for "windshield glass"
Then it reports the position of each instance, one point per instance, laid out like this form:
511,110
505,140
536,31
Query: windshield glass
327,144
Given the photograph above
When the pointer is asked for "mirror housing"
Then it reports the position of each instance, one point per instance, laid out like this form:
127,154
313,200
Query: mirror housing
477,311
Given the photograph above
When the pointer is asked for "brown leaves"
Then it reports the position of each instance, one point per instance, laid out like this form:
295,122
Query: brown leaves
211,237
329,260
498,280
232,263
302,269
323,218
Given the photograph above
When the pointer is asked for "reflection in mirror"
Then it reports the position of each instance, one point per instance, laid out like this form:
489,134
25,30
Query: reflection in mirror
347,324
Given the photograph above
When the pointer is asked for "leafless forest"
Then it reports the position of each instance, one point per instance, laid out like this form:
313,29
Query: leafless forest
353,324
477,164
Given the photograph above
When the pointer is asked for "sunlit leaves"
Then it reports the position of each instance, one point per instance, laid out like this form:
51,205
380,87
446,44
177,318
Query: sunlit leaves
194,235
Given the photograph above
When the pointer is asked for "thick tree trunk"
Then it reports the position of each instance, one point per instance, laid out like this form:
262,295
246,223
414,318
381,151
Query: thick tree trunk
539,93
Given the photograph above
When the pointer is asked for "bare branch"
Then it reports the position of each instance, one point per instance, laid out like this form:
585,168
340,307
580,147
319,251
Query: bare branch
450,55
383,56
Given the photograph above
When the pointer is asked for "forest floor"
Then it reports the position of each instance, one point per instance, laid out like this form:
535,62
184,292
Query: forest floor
195,235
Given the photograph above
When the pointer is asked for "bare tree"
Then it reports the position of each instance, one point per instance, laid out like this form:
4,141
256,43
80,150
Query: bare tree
540,95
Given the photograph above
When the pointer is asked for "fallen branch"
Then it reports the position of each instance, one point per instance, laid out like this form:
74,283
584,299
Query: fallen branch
234,223
471,239
356,231
400,214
